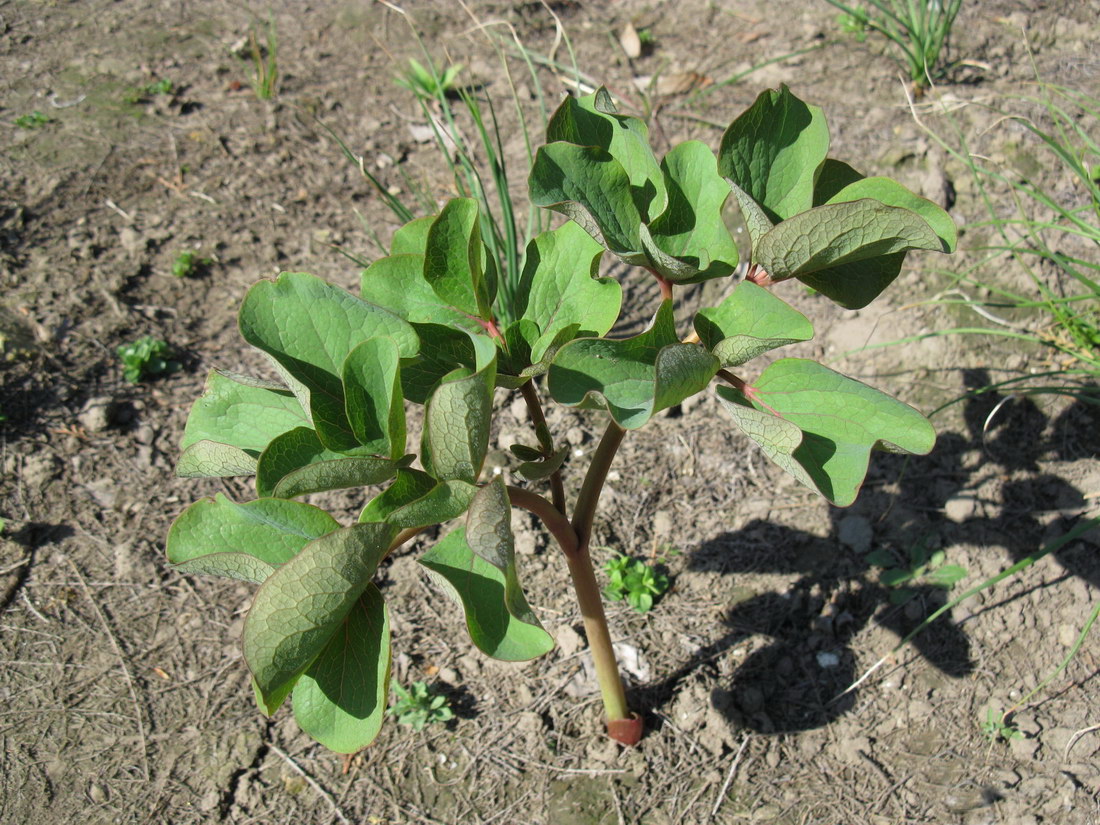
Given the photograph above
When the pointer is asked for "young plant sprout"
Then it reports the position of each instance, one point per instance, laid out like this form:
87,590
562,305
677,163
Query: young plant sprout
428,328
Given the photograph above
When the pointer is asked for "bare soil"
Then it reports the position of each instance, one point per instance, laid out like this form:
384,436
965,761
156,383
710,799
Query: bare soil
123,695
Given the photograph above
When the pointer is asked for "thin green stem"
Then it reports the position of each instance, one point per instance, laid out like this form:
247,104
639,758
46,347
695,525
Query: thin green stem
542,432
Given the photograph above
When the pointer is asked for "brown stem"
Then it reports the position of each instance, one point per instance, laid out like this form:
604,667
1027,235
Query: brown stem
538,418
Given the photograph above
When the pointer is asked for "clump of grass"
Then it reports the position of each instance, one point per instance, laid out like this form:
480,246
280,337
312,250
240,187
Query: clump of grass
263,60
918,28
477,164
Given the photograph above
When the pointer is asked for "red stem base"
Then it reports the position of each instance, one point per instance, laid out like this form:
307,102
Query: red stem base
626,731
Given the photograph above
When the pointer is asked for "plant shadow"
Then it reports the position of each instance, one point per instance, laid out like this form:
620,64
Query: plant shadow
982,486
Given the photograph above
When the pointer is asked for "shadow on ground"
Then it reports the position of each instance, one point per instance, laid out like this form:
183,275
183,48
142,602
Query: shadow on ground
990,470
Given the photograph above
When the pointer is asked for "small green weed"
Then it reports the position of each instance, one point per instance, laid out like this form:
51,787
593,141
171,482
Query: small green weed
633,580
428,83
854,23
418,706
164,86
146,357
32,120
922,567
189,263
996,727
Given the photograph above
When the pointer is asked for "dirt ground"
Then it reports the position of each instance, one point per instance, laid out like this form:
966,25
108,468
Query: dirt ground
123,694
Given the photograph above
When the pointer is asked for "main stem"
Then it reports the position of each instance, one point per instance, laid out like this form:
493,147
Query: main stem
574,538
622,725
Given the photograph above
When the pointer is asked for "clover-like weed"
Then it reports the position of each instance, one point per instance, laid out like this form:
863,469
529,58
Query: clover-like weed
634,580
147,357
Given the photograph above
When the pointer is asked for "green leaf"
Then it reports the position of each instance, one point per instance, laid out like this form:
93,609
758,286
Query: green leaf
341,699
457,419
209,459
373,399
947,576
748,323
445,501
544,467
590,186
453,264
848,251
632,378
268,529
241,415
488,596
834,176
297,463
820,426
412,238
415,499
854,285
592,120
892,193
691,229
304,602
240,566
308,327
756,222
562,288
442,350
773,152
397,284
408,485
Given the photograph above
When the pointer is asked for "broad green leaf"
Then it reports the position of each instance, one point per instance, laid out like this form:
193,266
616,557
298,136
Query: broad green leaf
240,566
482,591
415,499
841,233
299,607
514,356
453,264
269,529
408,485
397,284
445,501
748,323
209,459
854,285
773,152
820,426
691,229
241,415
443,349
892,193
590,186
308,327
756,222
592,120
834,176
412,238
373,399
341,699
297,463
632,378
562,288
457,419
